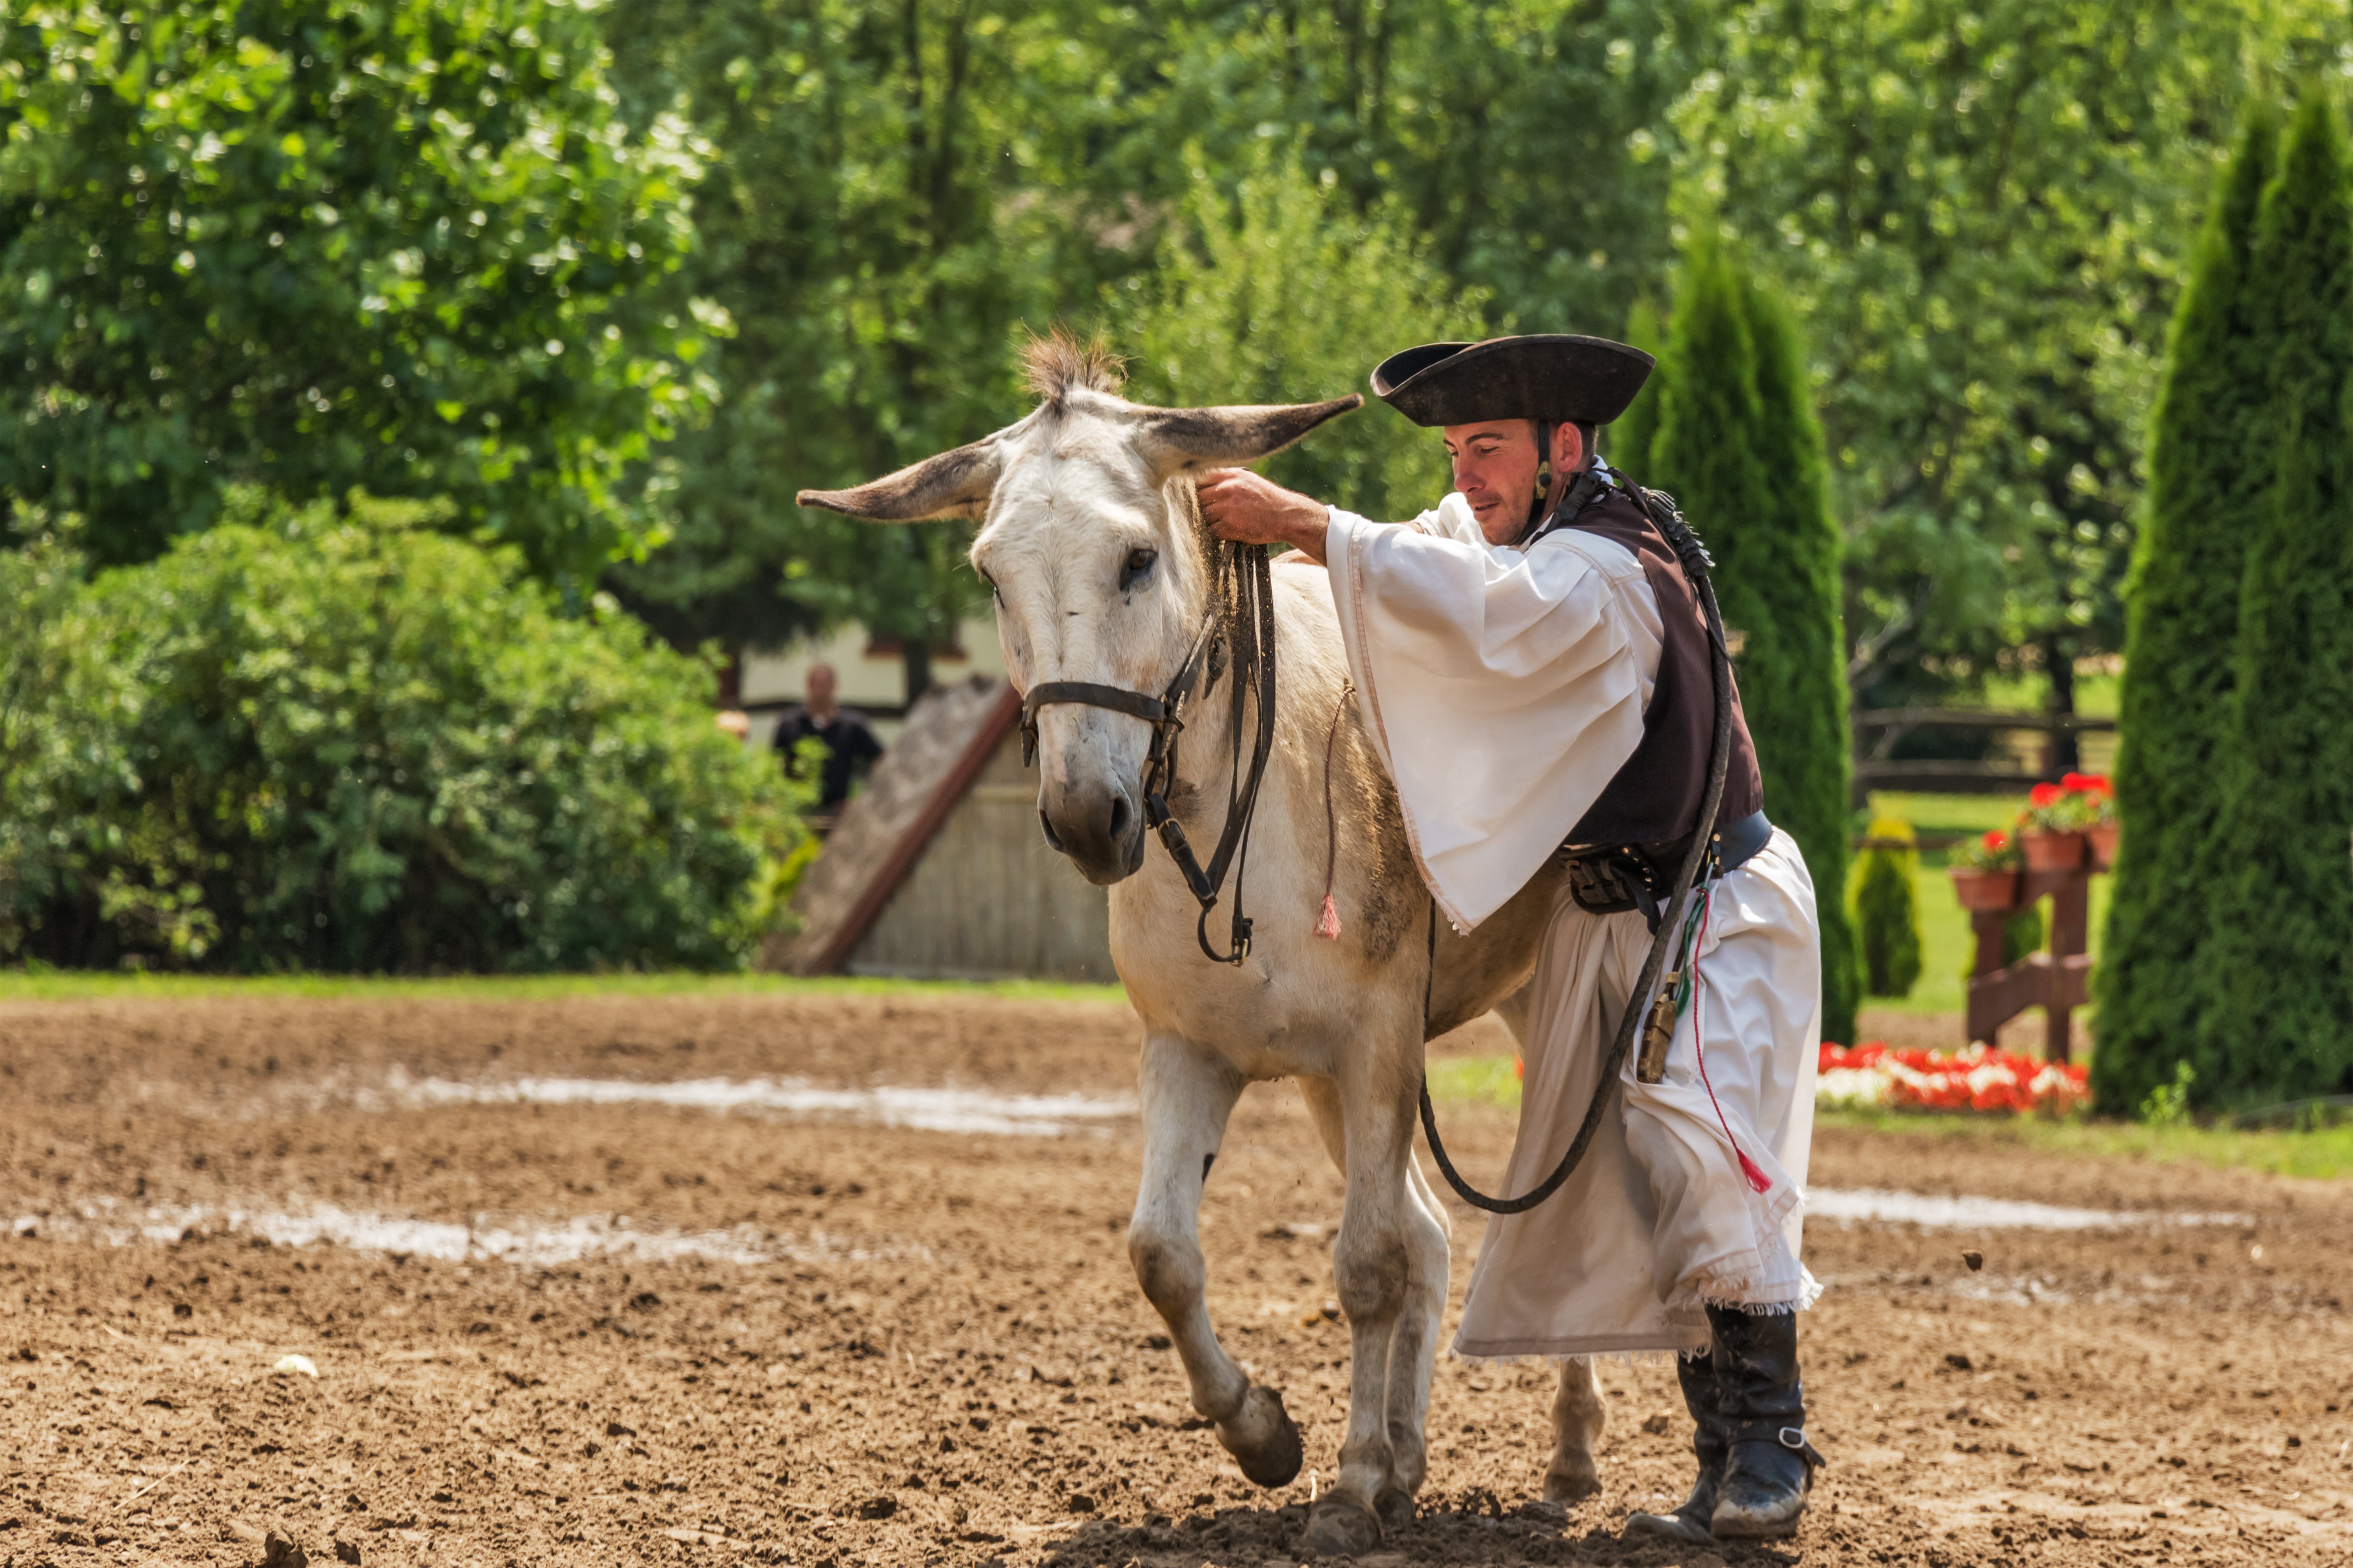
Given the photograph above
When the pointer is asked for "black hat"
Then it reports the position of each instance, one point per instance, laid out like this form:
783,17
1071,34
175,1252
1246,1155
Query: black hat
1547,376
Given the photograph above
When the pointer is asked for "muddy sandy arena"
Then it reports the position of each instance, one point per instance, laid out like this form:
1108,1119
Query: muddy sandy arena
686,1279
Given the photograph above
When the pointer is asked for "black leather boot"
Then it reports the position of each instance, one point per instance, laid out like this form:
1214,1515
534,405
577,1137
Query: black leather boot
1711,1438
1770,1466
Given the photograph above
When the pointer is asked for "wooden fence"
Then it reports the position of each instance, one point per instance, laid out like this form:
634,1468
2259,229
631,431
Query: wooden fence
1877,730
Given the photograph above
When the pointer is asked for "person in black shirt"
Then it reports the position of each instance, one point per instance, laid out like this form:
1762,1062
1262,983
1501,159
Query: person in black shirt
850,747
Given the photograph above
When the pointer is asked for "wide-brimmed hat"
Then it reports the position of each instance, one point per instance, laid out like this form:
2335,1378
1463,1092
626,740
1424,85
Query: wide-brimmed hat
1549,376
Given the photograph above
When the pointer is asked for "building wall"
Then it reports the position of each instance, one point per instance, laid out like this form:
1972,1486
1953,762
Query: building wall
989,901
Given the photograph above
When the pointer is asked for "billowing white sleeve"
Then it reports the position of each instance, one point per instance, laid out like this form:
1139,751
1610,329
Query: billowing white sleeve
1502,688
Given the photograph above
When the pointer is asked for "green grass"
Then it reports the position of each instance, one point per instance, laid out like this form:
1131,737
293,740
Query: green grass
1474,1080
2322,1154
61,985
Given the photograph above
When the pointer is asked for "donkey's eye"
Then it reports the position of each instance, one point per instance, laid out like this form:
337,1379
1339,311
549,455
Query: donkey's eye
1137,565
993,590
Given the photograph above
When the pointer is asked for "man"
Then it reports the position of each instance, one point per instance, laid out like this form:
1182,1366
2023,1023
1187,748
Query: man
1532,664
850,747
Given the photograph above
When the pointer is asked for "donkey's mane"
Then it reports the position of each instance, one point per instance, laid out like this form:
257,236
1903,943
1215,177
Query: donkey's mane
1053,364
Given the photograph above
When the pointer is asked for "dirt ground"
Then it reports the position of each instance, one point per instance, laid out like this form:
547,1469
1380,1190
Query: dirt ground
695,1335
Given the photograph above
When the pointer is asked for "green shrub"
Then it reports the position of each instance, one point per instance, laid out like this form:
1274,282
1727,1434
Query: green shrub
356,744
1886,912
2022,933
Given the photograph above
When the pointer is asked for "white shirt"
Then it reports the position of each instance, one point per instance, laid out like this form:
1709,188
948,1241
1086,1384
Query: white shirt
1503,688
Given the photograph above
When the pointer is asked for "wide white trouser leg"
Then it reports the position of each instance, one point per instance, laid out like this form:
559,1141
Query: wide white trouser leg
1661,1218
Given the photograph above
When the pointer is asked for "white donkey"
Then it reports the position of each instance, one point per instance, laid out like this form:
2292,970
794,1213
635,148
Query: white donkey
1095,545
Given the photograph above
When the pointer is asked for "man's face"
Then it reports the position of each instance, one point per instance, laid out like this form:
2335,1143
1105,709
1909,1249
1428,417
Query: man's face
821,685
1495,469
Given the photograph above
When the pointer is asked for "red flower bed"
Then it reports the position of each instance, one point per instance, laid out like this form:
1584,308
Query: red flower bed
1978,1080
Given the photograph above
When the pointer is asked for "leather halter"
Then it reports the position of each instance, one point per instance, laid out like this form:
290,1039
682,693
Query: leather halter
1240,624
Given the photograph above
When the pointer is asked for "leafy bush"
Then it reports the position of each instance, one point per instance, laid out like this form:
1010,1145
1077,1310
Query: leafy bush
338,741
1886,912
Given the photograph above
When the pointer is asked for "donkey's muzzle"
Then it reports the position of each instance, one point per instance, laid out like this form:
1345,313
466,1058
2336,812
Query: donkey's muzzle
1097,825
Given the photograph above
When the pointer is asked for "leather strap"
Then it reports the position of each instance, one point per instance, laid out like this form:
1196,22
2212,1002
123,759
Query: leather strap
1151,709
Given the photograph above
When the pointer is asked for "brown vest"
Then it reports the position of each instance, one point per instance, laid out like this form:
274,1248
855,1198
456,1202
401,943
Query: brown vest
1656,797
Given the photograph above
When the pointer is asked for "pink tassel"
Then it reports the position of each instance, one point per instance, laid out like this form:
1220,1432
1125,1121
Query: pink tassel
1756,1178
1328,926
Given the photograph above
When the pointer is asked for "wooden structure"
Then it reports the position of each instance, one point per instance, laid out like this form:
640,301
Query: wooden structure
938,869
2057,979
1875,769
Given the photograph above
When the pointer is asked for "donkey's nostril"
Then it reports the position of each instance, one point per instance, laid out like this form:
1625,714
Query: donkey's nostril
1053,837
1118,816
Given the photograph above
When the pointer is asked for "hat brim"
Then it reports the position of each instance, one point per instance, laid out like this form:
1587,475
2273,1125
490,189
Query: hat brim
1549,376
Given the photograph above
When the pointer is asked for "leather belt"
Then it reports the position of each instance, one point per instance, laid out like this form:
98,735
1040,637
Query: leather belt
1611,879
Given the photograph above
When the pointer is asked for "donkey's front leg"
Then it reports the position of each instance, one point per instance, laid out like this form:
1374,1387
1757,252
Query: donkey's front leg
1187,1095
1372,1266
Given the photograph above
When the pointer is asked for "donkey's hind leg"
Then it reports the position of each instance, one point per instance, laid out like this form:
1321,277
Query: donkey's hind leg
1415,1349
1372,1266
1578,1416
1187,1095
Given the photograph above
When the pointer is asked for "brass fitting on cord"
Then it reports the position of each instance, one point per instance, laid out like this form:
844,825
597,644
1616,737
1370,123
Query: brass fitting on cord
1658,1031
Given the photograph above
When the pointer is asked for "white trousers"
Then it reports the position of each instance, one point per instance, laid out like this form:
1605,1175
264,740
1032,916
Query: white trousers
1666,1216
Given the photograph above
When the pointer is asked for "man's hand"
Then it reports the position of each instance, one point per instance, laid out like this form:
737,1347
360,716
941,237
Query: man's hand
1242,507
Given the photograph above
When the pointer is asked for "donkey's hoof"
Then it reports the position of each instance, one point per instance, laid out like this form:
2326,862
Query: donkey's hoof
1264,1439
1565,1487
1395,1506
1340,1526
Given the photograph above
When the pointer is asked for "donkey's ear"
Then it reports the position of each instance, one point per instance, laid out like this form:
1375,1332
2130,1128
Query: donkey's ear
1189,440
955,484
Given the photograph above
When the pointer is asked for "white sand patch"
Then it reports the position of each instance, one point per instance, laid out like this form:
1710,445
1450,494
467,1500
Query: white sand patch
541,1242
1865,1206
967,1111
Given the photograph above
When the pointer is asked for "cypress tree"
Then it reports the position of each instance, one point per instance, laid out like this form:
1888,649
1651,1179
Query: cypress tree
1737,443
2276,970
1628,444
2208,474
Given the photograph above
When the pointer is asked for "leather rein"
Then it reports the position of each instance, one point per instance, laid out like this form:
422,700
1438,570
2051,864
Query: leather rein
1236,638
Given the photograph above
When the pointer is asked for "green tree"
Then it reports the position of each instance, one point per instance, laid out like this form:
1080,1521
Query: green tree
1982,211
1523,140
2276,972
897,190
1627,443
2211,470
399,244
1243,309
1737,443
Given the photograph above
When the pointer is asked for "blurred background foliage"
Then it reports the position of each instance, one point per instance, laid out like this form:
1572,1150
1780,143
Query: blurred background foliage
598,286
617,279
407,244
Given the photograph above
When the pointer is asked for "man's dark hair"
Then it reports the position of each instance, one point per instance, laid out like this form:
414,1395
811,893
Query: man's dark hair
1544,427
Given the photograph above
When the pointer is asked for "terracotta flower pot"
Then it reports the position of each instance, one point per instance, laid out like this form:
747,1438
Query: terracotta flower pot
2051,851
1985,889
2104,845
